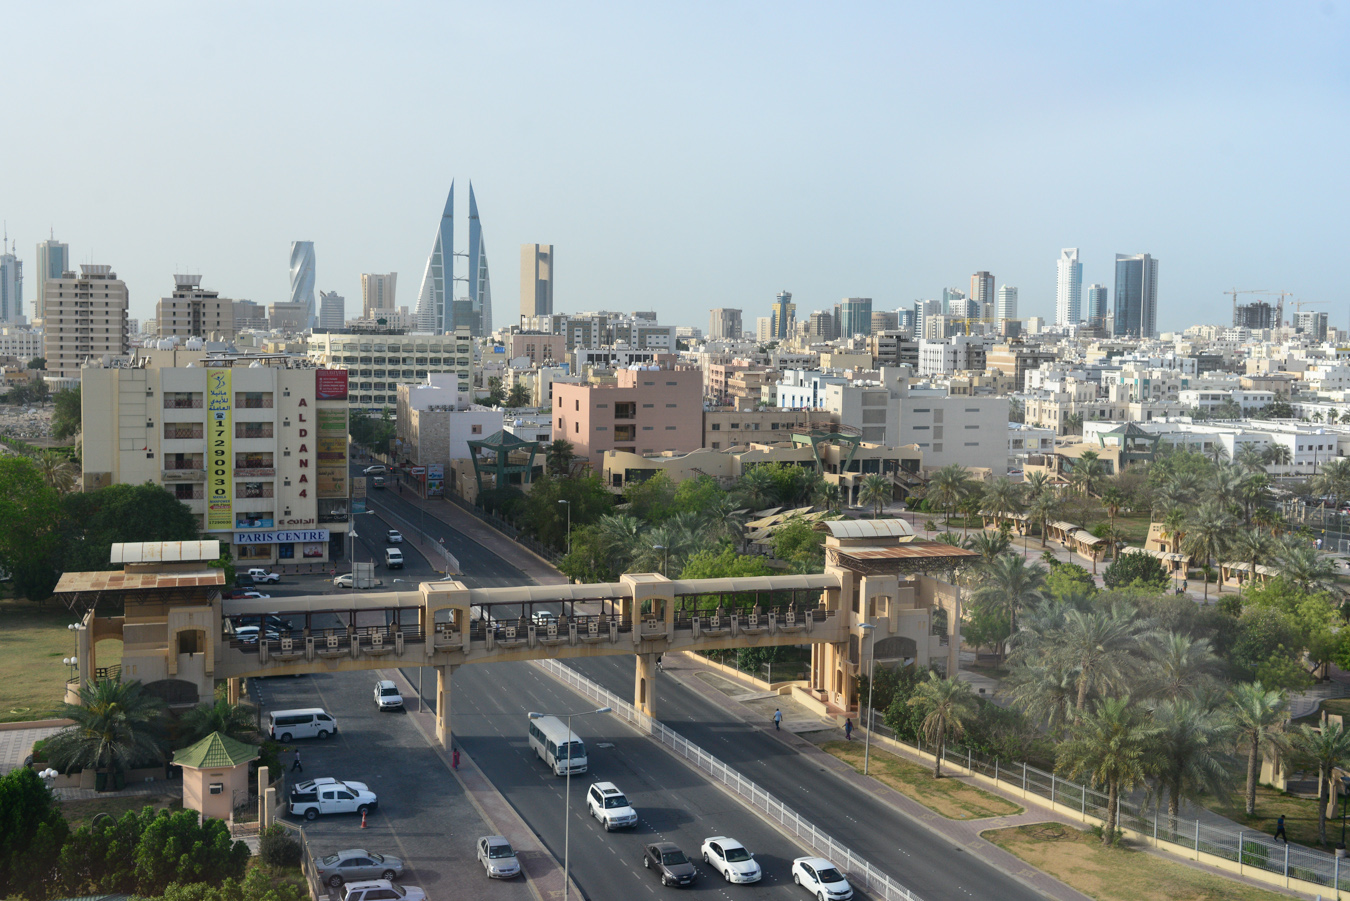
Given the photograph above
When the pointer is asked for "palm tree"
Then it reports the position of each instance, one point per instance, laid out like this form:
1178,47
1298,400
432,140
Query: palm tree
1175,522
1099,645
1252,492
1259,717
1207,537
829,496
877,492
518,396
1044,507
1188,757
234,720
559,454
947,487
1073,424
621,536
1217,452
947,705
1010,585
1003,498
1087,473
57,471
1180,666
757,488
1251,546
1302,566
1036,484
1043,689
1250,457
1326,747
1113,499
1225,485
1278,455
1333,479
116,726
1109,745
989,544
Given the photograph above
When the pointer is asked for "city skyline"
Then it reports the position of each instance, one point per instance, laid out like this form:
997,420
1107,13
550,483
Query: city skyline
906,229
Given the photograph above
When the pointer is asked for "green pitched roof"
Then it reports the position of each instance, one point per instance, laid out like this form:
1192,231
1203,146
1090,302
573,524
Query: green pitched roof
216,750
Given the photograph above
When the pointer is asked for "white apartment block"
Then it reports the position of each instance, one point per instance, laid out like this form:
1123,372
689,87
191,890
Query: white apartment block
1026,439
84,318
436,420
332,309
378,364
959,353
21,343
256,449
1208,399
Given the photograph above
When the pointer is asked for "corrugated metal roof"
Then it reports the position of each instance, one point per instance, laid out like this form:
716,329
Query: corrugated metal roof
865,528
527,594
118,581
909,550
319,603
165,551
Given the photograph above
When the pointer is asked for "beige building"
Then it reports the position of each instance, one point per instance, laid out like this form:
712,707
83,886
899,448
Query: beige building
728,427
84,318
539,348
193,312
287,316
256,450
379,363
647,411
536,280
249,315
377,295
724,323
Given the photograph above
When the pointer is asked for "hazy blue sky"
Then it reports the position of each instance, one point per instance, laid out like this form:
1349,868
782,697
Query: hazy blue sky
692,155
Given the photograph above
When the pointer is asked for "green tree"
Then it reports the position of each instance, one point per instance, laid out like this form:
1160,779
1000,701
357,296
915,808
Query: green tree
1180,666
1188,758
176,848
117,725
876,491
496,393
985,627
699,494
1009,584
559,454
32,832
58,471
1065,579
723,564
587,561
371,432
1304,567
38,363
541,513
1143,570
1109,745
798,543
31,541
651,500
947,706
1327,748
66,414
1268,646
947,488
26,393
1259,717
119,513
1099,646
235,720
518,396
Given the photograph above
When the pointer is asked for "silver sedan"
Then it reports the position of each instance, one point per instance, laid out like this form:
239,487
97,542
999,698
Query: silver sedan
357,864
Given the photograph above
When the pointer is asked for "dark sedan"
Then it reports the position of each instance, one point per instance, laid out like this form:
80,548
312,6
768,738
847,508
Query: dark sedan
669,863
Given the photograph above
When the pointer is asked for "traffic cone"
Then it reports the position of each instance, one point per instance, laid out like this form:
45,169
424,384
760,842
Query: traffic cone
363,819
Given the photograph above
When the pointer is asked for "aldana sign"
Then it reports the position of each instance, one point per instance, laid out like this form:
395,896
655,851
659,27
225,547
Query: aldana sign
306,535
330,384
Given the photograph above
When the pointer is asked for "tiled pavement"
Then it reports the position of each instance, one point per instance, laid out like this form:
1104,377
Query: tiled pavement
16,744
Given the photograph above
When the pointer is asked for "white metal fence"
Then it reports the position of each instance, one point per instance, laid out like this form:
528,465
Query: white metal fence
859,871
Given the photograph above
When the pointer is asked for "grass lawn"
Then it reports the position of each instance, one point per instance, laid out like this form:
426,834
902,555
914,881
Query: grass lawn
1117,874
82,813
952,798
1300,814
33,641
1133,528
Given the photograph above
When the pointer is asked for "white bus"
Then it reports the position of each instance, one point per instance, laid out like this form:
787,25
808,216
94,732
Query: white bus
552,741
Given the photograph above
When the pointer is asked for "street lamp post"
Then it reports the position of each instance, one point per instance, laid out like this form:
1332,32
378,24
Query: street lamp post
871,631
73,661
567,793
569,524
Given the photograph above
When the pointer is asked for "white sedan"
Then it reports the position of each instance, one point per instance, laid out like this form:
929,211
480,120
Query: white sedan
394,536
729,857
821,878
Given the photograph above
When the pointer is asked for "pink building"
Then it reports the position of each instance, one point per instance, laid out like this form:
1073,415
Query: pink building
539,349
650,410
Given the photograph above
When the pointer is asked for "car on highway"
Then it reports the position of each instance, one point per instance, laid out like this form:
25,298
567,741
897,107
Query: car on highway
345,581
730,858
393,536
821,878
498,857
249,634
357,864
669,862
240,594
545,618
387,696
327,795
258,574
381,890
608,805
377,482
378,469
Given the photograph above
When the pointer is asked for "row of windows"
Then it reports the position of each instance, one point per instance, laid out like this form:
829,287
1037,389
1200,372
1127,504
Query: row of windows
405,361
349,347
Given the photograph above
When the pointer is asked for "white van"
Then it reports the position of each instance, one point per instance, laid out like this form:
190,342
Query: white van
311,722
393,558
551,740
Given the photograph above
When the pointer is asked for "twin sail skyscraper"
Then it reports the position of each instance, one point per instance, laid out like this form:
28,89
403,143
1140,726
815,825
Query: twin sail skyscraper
441,307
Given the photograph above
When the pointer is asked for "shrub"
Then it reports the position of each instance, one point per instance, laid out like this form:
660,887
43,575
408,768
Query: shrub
1131,569
278,849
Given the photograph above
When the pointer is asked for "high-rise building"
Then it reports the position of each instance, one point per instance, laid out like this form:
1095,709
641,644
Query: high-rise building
53,258
1136,296
982,293
923,310
1312,324
822,325
85,317
1256,315
1068,287
377,295
478,314
764,329
724,322
1096,305
951,296
884,321
332,309
193,312
536,280
11,288
784,317
855,316
1006,307
302,279
438,279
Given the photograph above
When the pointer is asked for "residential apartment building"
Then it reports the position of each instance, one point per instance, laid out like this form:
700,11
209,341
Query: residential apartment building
377,295
85,318
1026,439
332,310
959,353
20,343
1208,400
249,315
724,323
256,448
379,363
724,428
1016,360
649,410
194,312
538,348
436,420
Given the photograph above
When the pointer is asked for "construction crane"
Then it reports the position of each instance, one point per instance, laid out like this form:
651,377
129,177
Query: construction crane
1279,306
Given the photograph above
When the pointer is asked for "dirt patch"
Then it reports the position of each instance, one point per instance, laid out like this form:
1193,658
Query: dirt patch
82,813
950,797
1080,860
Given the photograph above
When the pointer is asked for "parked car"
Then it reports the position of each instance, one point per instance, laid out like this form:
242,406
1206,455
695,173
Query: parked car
608,805
357,864
258,574
669,863
249,634
387,696
821,878
378,469
730,858
250,594
381,890
497,857
327,795
544,618
345,581
394,536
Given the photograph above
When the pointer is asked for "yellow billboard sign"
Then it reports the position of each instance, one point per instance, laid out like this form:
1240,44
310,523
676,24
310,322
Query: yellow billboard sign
219,450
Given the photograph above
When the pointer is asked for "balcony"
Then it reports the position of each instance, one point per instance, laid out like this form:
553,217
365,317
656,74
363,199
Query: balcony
182,403
253,401
189,432
194,493
244,472
251,491
625,411
253,430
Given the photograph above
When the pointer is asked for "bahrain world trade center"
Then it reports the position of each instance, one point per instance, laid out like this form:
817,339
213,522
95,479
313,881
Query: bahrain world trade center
442,305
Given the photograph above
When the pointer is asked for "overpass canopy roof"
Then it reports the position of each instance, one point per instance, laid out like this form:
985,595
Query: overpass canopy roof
866,528
535,594
809,582
85,590
322,603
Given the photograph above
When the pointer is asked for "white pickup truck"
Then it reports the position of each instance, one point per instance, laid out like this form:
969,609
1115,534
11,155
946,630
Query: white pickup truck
328,795
258,574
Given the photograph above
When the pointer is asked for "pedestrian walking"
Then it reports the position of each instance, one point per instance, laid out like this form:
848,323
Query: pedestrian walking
1279,829
295,764
777,720
454,759
658,663
848,729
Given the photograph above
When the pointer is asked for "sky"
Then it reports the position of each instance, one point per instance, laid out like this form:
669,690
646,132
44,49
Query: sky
687,156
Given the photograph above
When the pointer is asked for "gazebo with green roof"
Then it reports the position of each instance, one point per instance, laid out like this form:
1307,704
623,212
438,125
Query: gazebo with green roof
215,774
512,459
1136,445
